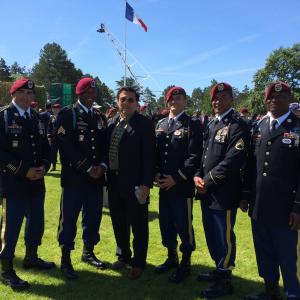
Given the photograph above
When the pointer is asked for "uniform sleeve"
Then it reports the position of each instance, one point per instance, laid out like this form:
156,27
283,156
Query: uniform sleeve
296,204
235,157
8,162
148,154
66,137
195,149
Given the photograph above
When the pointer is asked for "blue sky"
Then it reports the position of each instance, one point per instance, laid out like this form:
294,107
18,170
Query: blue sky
188,42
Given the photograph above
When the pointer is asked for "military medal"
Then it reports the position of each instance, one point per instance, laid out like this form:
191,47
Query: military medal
15,144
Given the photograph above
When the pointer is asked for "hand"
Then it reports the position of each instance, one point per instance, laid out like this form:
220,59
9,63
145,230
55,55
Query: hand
244,205
96,172
35,173
166,182
144,191
157,177
294,221
200,185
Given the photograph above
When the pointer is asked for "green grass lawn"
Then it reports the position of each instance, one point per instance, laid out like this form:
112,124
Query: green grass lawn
108,284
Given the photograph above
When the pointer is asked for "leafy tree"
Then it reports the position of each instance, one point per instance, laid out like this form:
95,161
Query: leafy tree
149,100
16,70
282,64
54,66
105,97
130,82
194,104
4,70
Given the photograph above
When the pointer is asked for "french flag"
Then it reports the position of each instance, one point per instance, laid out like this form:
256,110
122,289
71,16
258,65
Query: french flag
133,17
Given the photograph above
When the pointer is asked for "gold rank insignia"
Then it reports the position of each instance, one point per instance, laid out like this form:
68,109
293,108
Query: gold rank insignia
240,145
61,130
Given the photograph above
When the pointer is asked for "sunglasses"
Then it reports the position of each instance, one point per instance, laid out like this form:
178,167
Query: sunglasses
124,99
27,92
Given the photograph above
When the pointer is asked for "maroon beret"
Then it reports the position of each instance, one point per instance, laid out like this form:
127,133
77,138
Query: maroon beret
56,105
220,87
22,83
175,90
34,104
277,86
84,84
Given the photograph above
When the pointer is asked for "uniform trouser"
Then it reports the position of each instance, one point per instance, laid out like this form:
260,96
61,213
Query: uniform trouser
220,238
14,209
126,212
175,218
54,152
278,247
73,200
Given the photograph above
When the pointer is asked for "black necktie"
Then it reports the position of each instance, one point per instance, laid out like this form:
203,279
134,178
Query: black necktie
171,123
273,125
89,113
26,115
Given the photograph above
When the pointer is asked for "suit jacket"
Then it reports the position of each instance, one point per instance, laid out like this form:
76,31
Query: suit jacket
272,178
136,153
81,141
23,144
179,150
226,146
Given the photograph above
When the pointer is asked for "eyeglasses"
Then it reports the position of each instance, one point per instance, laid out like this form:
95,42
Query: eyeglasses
27,92
130,100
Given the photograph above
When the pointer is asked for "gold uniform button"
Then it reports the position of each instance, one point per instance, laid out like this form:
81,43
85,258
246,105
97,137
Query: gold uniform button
93,148
94,156
167,137
33,144
203,165
264,174
92,139
266,164
166,153
267,153
92,130
290,146
269,143
32,136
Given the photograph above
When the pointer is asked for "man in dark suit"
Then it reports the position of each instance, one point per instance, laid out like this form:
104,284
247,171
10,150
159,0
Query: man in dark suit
131,159
272,187
24,161
80,134
179,149
219,183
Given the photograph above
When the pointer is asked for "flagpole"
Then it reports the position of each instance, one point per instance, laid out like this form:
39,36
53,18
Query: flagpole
125,51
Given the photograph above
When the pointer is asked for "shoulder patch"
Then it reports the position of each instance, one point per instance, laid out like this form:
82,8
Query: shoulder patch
240,145
61,130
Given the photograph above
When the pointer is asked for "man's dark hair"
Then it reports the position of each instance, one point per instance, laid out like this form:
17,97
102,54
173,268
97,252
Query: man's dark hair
128,89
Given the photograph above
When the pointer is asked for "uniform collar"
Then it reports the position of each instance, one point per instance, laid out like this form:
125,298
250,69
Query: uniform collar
84,107
20,109
177,117
220,117
280,120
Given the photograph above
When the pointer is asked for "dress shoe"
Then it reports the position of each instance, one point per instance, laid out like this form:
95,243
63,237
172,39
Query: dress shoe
222,286
66,265
9,277
32,261
118,264
183,270
170,263
135,273
89,257
272,292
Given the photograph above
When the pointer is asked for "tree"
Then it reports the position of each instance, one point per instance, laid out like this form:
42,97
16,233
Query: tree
149,100
206,106
194,104
105,97
130,82
17,71
282,64
54,66
4,70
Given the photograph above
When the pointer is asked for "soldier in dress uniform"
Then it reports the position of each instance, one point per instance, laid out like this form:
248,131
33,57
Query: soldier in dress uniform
179,150
219,183
272,187
24,161
80,134
131,159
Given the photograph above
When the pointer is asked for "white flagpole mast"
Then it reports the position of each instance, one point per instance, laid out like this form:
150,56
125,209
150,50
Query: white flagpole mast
125,44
